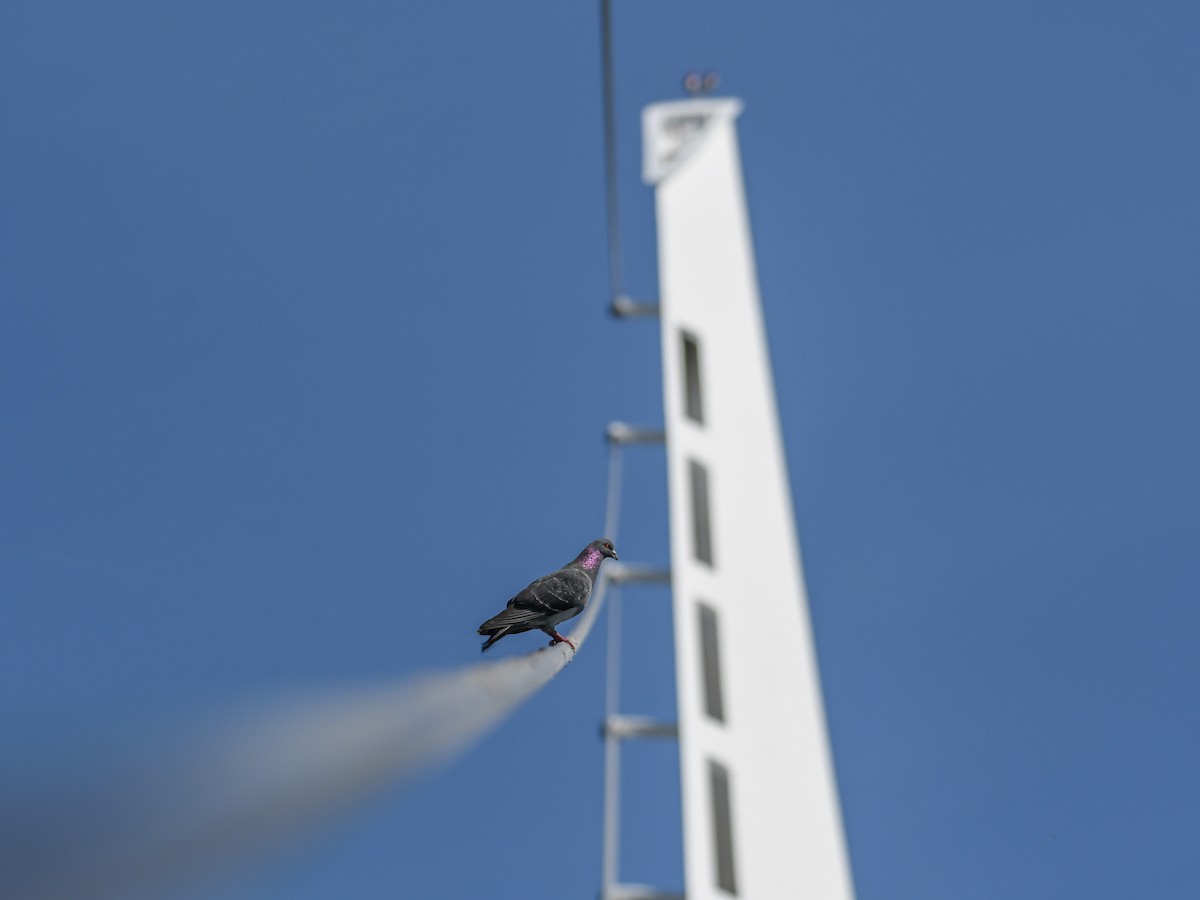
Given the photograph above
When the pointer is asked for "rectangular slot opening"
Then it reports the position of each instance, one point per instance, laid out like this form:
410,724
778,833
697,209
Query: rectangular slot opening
718,780
710,660
701,524
693,403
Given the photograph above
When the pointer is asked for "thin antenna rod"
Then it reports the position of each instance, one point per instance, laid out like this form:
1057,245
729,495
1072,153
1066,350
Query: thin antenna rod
610,867
612,687
615,273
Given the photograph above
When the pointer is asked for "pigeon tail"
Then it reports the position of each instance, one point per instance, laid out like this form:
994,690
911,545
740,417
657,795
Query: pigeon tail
495,636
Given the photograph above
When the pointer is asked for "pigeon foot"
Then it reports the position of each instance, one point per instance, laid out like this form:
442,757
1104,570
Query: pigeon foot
559,639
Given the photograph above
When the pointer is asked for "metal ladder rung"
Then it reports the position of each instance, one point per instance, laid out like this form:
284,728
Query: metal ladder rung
623,573
639,892
626,307
624,727
624,433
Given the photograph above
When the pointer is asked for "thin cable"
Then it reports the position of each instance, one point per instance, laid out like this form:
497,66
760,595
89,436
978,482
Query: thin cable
612,691
615,272
612,505
612,752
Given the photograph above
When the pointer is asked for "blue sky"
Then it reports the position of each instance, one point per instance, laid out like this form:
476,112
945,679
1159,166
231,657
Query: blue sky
306,367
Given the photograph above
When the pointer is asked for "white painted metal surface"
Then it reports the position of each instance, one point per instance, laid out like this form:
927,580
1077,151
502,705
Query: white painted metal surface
784,835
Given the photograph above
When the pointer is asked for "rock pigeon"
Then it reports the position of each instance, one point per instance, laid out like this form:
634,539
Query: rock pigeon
552,598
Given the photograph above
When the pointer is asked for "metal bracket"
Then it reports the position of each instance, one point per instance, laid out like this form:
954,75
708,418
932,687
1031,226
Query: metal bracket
624,573
626,307
625,727
624,433
639,892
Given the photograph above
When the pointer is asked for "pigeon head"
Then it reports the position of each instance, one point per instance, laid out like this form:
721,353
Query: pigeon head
595,553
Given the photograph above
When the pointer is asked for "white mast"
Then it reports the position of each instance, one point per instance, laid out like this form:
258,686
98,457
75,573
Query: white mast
760,808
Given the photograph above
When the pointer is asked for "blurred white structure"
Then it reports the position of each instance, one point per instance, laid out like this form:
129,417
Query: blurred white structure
760,810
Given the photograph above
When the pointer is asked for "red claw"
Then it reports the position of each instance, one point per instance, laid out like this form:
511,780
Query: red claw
559,639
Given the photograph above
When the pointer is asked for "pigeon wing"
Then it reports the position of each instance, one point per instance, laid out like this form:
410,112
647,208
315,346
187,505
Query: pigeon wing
550,596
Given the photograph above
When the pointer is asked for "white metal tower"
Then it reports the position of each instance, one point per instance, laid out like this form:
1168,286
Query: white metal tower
760,810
